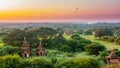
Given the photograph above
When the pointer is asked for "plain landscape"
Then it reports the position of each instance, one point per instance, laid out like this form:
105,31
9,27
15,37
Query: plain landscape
66,45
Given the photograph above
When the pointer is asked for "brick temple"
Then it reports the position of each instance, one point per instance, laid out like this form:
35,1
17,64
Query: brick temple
26,51
40,50
112,58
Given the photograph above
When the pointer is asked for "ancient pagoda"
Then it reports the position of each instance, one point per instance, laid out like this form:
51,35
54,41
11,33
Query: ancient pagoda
40,50
25,50
112,58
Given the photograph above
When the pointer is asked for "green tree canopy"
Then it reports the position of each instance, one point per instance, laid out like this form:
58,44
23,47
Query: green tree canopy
99,32
94,48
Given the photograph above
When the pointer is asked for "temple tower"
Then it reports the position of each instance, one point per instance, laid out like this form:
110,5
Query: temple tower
25,50
40,50
112,58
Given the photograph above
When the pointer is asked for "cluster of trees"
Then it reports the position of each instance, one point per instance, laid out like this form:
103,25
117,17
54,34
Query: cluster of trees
10,61
109,35
14,61
94,48
99,32
111,39
79,63
15,37
75,44
87,32
8,50
51,40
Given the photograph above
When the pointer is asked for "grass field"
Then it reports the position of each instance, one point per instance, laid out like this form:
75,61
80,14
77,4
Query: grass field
108,45
1,43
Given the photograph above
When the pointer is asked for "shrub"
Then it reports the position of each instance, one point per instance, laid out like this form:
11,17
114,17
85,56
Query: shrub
78,63
10,61
117,40
88,32
65,48
9,50
37,63
108,38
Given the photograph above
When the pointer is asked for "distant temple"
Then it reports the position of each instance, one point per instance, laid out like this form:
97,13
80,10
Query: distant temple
40,50
68,31
112,58
25,50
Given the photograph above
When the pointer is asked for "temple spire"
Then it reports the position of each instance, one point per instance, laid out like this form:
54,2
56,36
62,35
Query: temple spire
40,44
24,38
24,43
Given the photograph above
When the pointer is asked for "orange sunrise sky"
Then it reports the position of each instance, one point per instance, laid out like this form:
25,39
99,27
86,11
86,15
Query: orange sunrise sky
59,10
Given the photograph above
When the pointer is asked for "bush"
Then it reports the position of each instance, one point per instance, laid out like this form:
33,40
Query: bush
37,63
78,63
99,32
65,48
108,38
88,32
94,48
76,45
10,61
7,50
117,40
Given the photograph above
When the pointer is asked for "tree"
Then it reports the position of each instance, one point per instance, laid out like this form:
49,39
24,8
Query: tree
14,37
33,36
57,41
117,33
117,40
78,63
79,31
10,61
94,48
46,33
99,32
88,32
75,36
8,50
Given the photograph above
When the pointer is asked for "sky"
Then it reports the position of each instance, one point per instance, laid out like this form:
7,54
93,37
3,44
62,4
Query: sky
59,10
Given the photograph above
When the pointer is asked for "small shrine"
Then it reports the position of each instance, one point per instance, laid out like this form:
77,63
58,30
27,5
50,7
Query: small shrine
25,50
112,58
68,31
40,50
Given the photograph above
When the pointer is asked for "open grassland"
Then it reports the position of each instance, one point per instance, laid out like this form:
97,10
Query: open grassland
67,36
1,43
108,45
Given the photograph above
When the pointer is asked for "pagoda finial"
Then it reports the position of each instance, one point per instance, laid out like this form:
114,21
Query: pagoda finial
112,49
24,38
40,43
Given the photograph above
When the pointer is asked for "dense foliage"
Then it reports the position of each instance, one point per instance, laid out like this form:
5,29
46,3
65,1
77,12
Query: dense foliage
78,63
99,32
8,50
94,48
37,63
10,61
111,39
33,36
75,44
88,32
